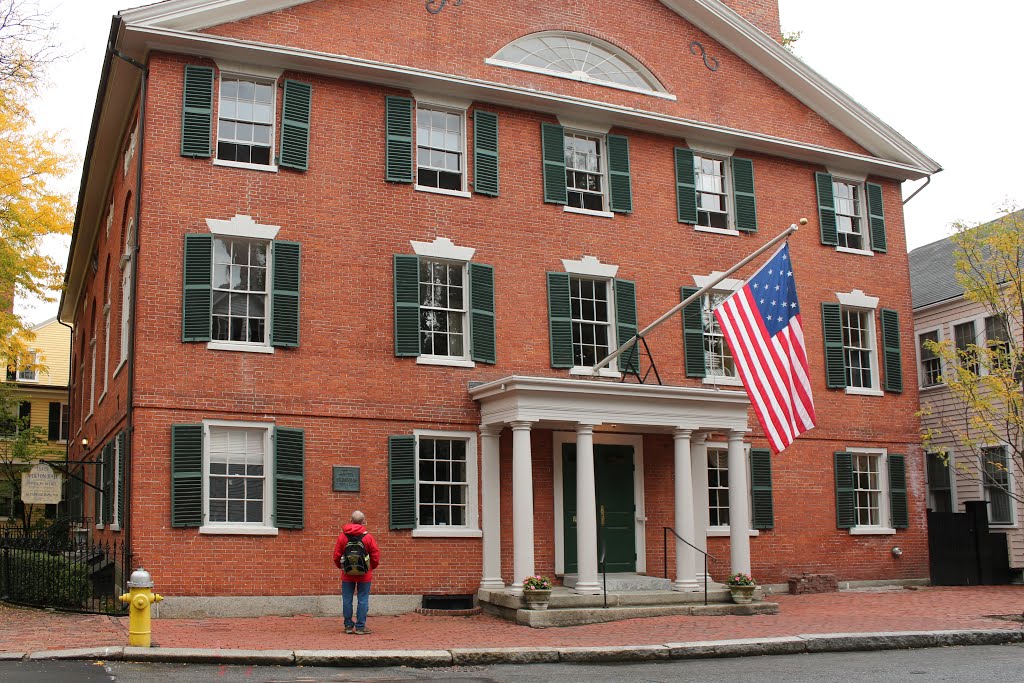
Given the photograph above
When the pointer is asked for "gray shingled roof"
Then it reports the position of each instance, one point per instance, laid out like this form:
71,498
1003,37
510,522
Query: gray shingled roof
932,274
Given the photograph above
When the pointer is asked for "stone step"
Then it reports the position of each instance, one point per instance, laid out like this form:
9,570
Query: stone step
550,618
626,582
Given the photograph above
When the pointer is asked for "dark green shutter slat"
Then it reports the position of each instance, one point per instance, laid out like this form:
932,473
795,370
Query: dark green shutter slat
876,215
53,428
560,320
761,488
845,514
398,120
485,152
619,183
407,305
743,190
686,187
289,477
196,299
826,209
891,350
122,459
295,113
481,312
284,295
108,483
693,335
197,112
626,324
186,475
402,481
835,357
898,491
553,149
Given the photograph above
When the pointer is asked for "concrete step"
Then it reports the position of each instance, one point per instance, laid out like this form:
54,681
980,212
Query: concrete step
576,616
626,582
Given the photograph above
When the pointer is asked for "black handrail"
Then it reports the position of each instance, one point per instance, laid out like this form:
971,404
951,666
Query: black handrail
664,535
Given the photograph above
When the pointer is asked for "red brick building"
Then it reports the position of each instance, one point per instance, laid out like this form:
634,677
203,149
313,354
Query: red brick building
362,255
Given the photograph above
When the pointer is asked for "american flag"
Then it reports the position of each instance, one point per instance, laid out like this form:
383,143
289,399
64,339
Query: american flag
762,325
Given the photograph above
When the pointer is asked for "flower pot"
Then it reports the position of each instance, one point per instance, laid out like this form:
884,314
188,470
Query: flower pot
742,595
536,599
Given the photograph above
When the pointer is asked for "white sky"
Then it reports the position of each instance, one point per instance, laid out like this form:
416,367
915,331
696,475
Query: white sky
942,75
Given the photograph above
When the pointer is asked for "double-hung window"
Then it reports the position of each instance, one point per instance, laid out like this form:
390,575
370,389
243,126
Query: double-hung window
853,355
851,213
759,491
28,371
585,171
236,476
240,290
931,364
591,319
871,491
940,485
718,360
858,348
440,149
867,489
965,339
718,487
849,198
998,484
443,483
245,120
443,308
997,340
712,191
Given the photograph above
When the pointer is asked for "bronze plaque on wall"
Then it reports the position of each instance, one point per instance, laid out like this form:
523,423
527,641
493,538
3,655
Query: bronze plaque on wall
346,478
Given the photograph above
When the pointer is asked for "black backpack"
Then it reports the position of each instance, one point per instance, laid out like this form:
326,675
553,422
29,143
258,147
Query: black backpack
355,561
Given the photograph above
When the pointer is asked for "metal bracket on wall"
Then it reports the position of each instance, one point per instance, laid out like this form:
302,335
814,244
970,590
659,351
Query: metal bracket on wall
704,55
435,6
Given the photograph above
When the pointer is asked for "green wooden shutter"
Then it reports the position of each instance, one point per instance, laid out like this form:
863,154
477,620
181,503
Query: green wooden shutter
845,514
620,185
122,459
481,312
398,139
196,299
295,125
97,494
560,320
186,475
835,357
553,149
891,350
485,152
876,215
626,324
197,112
761,488
289,477
53,427
693,335
284,293
402,481
686,187
826,209
407,305
743,192
108,483
898,491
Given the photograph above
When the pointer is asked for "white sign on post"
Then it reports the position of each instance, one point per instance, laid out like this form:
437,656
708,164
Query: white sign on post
41,485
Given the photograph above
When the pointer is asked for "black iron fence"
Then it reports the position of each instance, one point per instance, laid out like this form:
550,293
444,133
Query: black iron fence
63,567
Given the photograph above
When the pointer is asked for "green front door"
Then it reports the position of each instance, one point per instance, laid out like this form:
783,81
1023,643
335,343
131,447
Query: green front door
616,506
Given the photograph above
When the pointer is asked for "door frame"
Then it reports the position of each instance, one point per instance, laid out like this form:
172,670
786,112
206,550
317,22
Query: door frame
602,438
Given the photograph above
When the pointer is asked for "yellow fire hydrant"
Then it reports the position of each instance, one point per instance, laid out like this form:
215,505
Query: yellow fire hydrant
140,596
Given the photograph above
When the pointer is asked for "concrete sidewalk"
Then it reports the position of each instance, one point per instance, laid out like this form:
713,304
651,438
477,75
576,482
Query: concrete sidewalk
854,620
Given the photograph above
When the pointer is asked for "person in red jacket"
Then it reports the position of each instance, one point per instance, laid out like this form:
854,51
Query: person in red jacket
356,580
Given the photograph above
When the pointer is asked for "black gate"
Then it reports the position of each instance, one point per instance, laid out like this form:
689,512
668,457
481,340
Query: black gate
963,551
62,567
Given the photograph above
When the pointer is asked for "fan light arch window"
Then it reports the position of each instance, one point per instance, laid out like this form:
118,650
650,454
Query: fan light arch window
579,57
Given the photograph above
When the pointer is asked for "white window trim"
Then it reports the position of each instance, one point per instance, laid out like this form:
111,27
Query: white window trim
951,465
606,197
589,212
884,528
730,193
241,528
590,266
92,378
1011,485
451,107
726,285
64,408
716,231
858,300
33,355
115,523
725,529
242,225
918,333
253,74
443,249
106,349
979,334
472,527
865,224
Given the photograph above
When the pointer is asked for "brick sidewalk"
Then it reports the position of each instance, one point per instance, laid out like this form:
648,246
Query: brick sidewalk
925,609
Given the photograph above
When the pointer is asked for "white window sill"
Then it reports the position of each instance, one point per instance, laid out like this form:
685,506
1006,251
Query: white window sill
995,526
587,371
862,252
246,348
446,532
857,391
872,531
932,387
120,365
213,529
588,212
716,231
241,164
441,190
115,527
723,532
99,527
724,380
442,360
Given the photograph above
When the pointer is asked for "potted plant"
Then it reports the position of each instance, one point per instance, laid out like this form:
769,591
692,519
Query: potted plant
536,591
742,588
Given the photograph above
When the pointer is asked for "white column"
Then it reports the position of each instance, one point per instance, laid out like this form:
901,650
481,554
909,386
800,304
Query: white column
522,505
699,467
686,577
586,513
490,476
739,510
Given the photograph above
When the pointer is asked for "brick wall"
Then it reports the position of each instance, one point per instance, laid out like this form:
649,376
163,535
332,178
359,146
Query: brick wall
763,14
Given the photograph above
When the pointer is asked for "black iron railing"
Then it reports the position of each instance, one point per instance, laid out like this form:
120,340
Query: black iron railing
707,557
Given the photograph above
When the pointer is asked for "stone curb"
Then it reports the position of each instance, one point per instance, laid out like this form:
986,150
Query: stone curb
414,658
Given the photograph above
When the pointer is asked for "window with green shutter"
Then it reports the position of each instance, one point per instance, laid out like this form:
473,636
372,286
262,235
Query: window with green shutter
197,111
284,301
407,305
289,477
626,325
762,506
893,358
295,117
398,139
743,194
560,320
621,188
826,209
845,514
481,313
553,151
485,156
898,491
187,475
832,332
876,217
196,300
693,334
402,482
686,187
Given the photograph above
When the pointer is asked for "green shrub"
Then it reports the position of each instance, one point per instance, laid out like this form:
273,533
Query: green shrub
41,578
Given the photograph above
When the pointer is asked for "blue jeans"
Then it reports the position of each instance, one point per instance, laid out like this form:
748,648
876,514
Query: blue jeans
362,591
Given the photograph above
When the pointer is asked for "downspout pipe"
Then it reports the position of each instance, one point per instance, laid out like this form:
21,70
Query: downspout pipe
927,182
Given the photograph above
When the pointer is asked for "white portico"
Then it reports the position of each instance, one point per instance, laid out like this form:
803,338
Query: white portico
589,415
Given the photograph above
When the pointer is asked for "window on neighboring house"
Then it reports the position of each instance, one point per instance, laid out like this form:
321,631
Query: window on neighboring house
997,339
712,191
6,504
998,484
28,372
58,422
964,337
867,488
849,198
442,482
11,425
718,360
240,290
440,149
931,364
245,120
591,319
940,489
718,488
236,476
443,308
858,347
584,172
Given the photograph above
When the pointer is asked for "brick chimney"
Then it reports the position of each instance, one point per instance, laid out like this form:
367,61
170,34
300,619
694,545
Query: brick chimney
763,14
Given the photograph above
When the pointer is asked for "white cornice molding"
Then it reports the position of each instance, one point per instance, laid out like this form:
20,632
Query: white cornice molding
242,226
429,97
707,148
584,126
443,248
192,15
857,299
589,265
270,72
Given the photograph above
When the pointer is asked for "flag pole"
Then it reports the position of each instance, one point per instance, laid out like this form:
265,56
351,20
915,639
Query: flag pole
696,295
